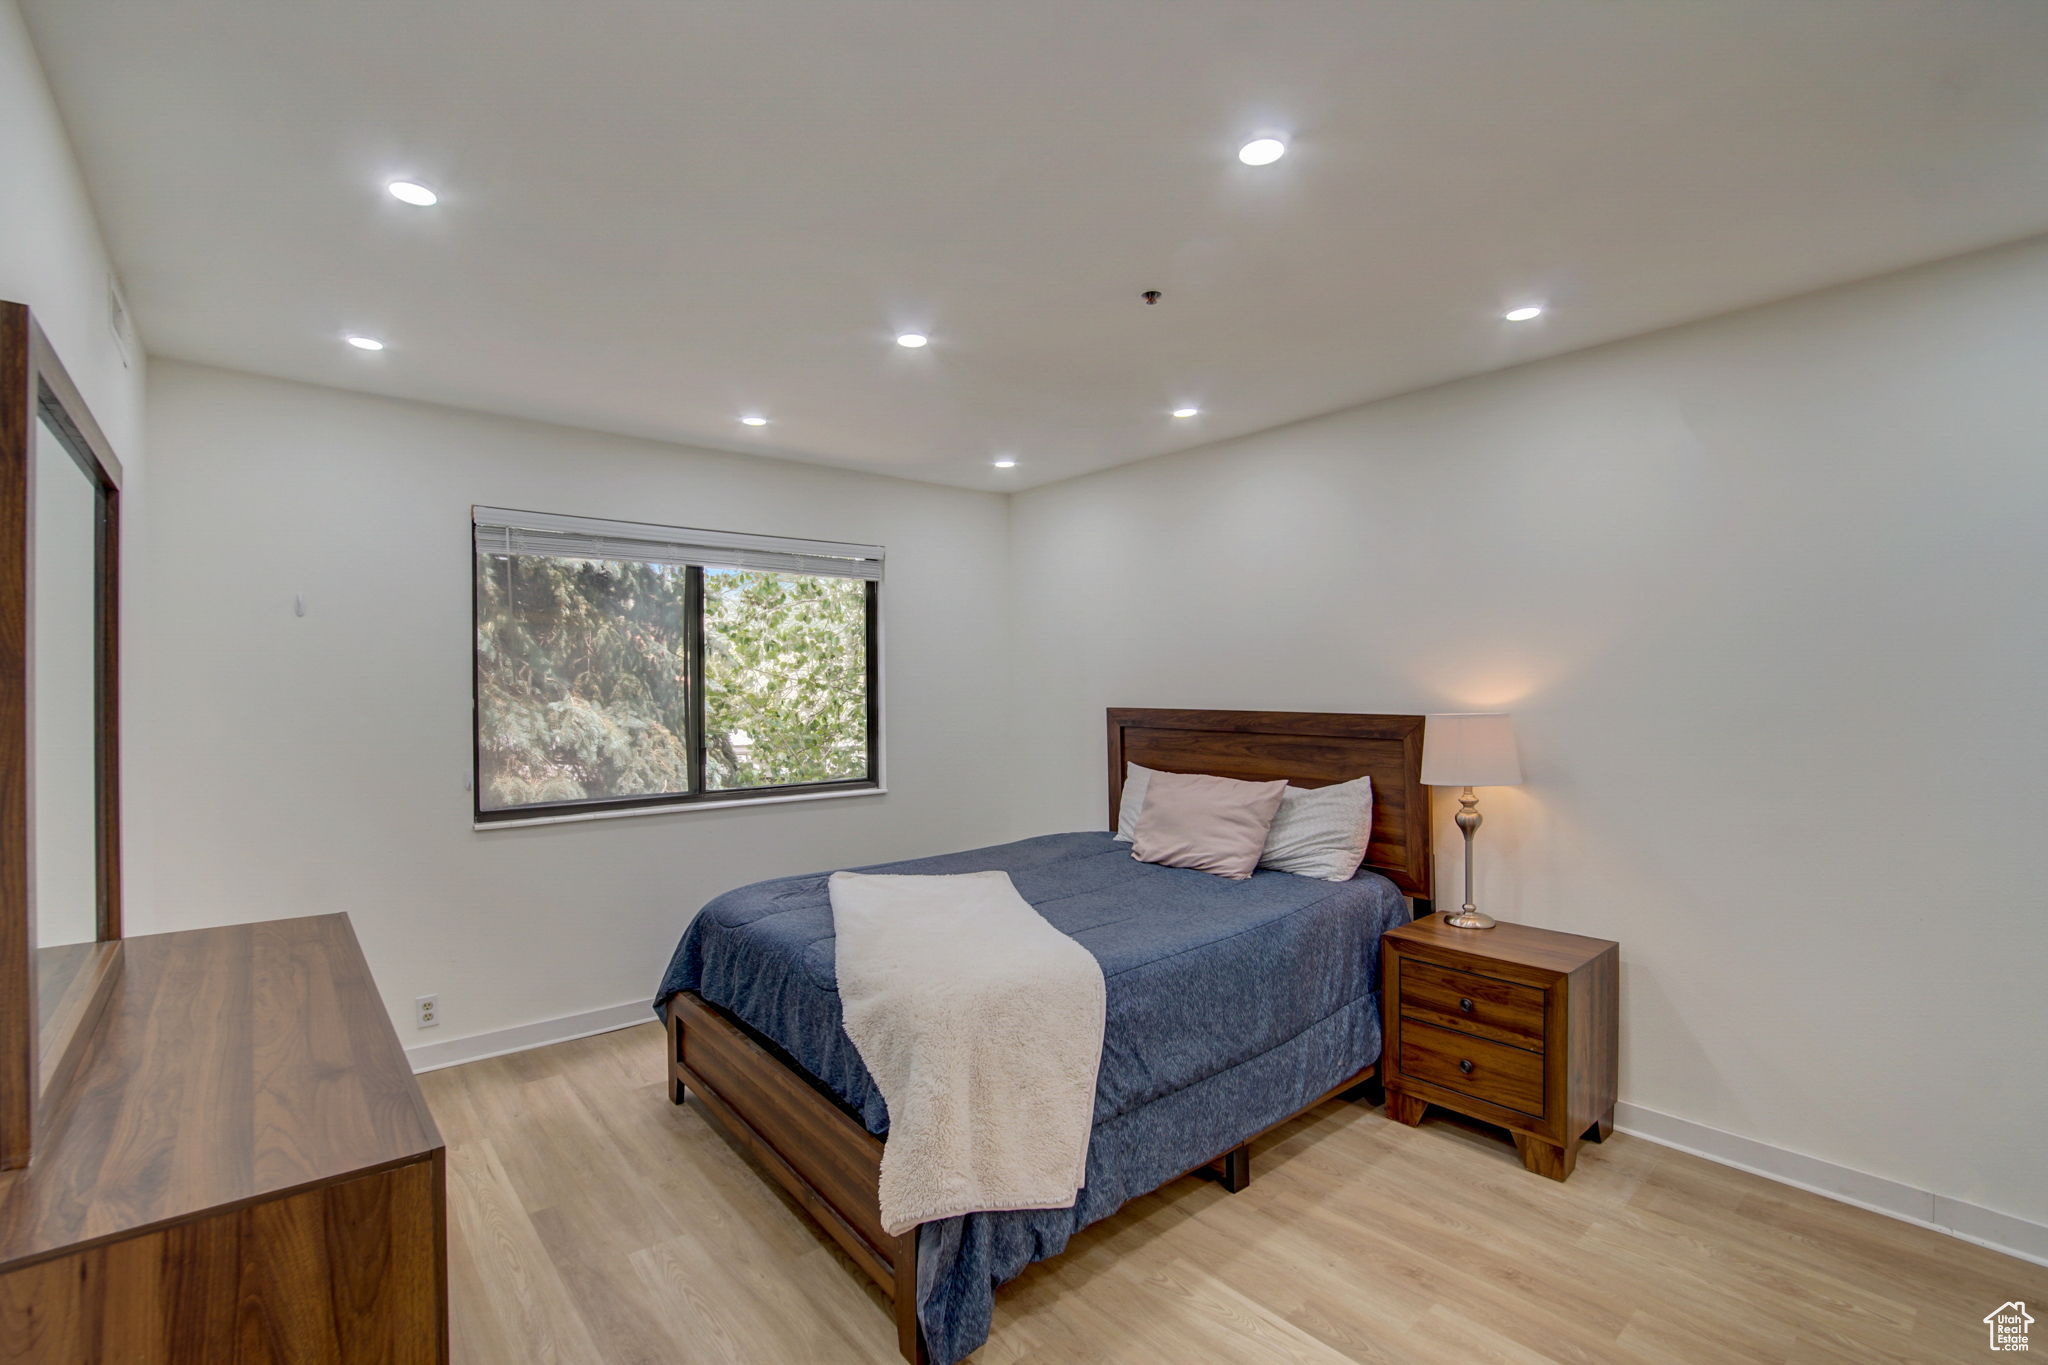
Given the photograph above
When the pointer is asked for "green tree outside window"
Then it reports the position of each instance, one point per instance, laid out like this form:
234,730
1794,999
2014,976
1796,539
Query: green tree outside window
583,680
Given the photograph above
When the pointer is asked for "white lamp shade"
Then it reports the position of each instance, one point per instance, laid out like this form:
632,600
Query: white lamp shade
1471,749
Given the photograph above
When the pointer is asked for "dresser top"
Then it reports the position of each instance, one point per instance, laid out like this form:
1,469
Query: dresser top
230,1065
1522,944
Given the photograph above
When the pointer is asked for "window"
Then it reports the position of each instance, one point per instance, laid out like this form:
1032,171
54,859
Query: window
622,666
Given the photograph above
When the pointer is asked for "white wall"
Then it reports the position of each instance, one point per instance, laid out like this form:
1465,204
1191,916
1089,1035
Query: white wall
1765,595
51,256
291,766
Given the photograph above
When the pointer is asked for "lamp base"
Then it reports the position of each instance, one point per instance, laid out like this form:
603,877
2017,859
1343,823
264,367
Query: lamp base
1468,918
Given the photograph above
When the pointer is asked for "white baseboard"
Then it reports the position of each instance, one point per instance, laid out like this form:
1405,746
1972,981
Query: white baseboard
521,1037
2004,1232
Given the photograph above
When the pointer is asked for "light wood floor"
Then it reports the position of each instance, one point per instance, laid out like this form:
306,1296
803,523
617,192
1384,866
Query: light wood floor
592,1221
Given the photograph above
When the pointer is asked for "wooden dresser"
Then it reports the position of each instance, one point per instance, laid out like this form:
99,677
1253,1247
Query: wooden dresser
1514,1025
240,1170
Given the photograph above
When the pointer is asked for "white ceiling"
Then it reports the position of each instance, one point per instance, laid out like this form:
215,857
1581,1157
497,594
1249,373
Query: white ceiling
660,214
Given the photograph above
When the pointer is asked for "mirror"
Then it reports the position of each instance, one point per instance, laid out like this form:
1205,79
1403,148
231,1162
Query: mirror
64,890
59,807
65,899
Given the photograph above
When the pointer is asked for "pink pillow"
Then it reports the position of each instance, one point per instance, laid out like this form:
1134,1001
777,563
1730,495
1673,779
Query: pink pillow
1212,824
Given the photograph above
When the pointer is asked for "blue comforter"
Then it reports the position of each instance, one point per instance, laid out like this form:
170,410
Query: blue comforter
1230,1005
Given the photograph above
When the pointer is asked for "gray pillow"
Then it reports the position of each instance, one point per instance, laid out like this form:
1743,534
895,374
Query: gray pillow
1320,831
1136,780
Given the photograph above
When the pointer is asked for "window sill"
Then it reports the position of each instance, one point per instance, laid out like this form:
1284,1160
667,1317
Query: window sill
736,803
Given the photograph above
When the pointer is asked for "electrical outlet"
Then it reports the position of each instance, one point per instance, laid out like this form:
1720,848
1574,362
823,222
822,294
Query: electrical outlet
428,1009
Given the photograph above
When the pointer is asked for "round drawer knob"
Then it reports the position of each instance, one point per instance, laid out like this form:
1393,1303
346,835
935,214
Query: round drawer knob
1465,1067
1465,1004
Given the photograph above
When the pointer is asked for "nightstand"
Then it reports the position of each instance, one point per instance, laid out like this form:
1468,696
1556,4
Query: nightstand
1512,1025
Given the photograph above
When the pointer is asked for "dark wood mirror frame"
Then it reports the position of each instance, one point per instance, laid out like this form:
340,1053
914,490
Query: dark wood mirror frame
39,1041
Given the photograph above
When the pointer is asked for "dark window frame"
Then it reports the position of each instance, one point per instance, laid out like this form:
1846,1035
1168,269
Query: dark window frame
693,634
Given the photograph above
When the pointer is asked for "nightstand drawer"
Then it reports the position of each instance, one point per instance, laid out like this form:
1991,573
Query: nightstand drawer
1484,1006
1494,1072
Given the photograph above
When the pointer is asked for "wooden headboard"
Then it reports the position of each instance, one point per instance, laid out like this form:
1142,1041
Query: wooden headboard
1307,748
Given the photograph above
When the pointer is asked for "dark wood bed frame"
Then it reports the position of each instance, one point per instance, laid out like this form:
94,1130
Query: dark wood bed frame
820,1152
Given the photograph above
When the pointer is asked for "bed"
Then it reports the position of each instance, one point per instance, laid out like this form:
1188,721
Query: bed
1232,1007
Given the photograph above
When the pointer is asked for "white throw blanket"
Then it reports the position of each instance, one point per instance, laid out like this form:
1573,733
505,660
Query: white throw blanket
982,1026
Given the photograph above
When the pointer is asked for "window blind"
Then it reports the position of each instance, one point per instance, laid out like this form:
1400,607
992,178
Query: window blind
501,531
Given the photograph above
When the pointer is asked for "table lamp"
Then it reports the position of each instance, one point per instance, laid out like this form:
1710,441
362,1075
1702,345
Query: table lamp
1470,749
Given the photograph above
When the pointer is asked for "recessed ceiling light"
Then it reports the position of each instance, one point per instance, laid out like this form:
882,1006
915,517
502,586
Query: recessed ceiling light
1262,152
1187,412
752,420
407,191
912,340
1523,314
1006,462
364,343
